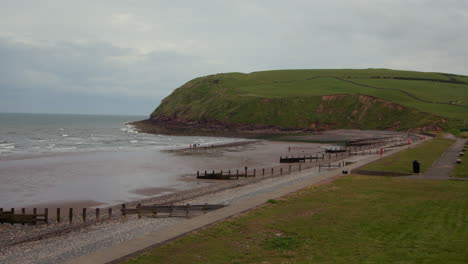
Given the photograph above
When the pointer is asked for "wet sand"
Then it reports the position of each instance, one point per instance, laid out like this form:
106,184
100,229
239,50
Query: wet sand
90,179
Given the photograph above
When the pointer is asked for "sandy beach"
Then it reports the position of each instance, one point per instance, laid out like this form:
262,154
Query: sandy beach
57,243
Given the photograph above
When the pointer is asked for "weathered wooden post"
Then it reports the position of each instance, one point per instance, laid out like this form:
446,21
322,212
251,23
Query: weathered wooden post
263,172
46,215
229,172
198,174
23,213
84,215
205,173
237,174
110,213
124,213
281,171
138,209
58,215
70,215
12,215
97,214
272,171
35,215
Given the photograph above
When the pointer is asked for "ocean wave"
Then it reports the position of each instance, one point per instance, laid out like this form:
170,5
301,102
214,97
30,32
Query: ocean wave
129,128
64,135
6,147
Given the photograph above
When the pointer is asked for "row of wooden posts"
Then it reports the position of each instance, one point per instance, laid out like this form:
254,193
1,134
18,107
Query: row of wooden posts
156,210
228,174
34,218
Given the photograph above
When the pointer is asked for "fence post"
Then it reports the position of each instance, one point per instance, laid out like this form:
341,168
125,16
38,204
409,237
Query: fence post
34,214
58,215
229,172
12,215
23,212
125,213
198,174
138,208
281,171
70,215
46,215
237,174
110,213
97,214
263,172
84,215
272,171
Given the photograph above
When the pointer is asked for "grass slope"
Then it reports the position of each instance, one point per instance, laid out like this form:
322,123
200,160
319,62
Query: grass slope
355,219
402,162
300,98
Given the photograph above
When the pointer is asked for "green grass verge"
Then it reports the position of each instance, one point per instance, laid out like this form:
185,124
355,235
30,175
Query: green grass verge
463,134
355,219
426,153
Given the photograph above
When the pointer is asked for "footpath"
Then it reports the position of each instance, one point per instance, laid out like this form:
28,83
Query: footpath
442,168
153,239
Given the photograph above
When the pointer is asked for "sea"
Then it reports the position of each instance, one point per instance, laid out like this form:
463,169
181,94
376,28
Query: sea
30,134
91,160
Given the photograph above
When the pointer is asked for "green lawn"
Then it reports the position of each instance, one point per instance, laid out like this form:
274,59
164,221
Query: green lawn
355,219
426,153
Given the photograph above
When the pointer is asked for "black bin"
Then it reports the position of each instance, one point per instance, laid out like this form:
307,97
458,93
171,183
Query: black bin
416,166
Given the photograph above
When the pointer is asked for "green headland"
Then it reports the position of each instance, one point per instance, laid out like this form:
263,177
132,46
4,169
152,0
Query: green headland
305,100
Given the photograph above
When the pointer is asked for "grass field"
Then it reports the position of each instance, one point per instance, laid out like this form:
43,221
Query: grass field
355,219
426,153
293,98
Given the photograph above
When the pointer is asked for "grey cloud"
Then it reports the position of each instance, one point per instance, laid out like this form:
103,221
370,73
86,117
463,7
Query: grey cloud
148,48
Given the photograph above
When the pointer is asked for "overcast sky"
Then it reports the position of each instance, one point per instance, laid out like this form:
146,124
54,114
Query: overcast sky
123,57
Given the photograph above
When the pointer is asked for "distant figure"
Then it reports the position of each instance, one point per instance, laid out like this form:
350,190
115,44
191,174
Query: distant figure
289,149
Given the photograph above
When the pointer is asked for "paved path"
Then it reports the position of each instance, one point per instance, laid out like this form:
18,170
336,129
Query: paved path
442,168
152,239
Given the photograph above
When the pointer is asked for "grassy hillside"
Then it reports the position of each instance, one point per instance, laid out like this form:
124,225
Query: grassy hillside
366,99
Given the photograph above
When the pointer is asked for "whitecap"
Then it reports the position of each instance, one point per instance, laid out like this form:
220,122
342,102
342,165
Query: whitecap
64,135
133,141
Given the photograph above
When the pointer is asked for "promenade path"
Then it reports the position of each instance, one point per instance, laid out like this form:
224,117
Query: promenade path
442,168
